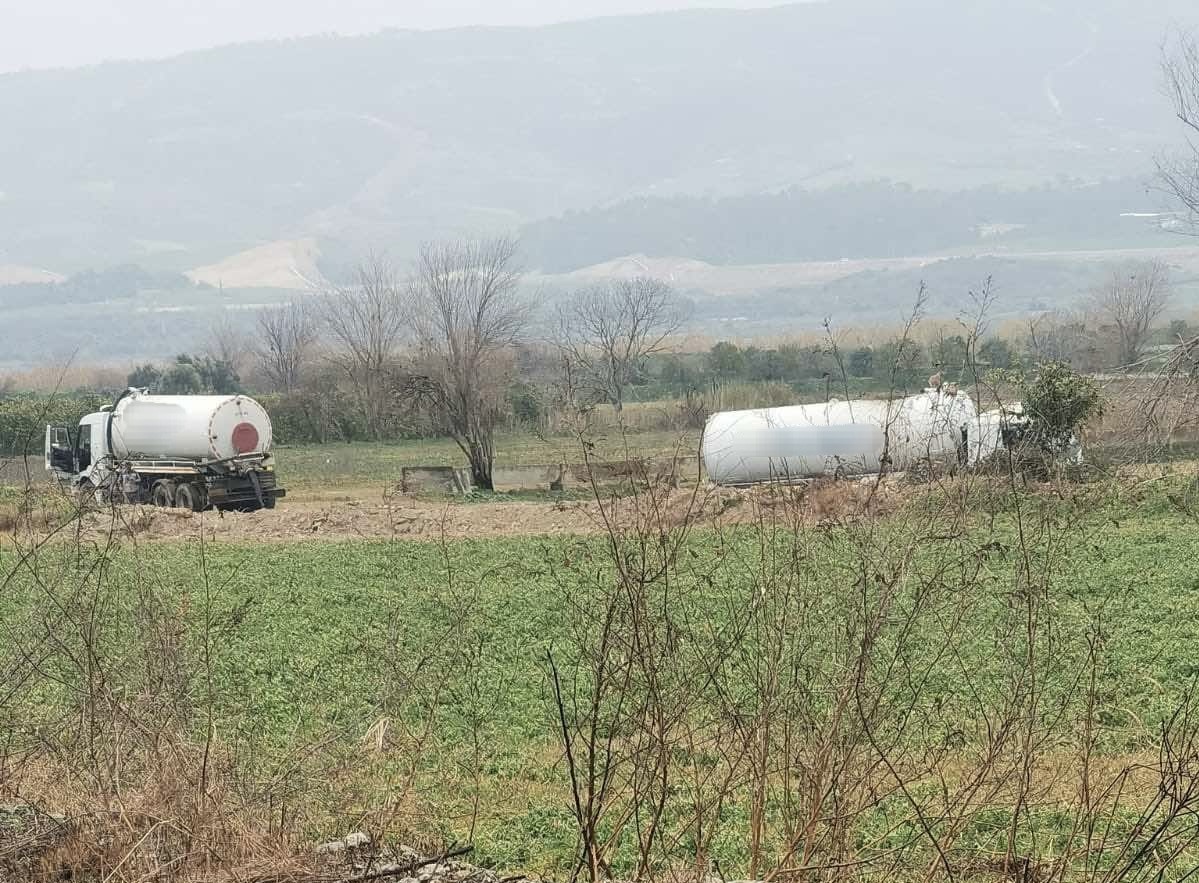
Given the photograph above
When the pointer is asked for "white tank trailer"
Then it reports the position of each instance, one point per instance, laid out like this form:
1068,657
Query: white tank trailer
193,452
191,427
842,438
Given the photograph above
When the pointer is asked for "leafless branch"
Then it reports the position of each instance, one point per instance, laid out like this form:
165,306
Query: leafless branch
605,332
367,322
1179,173
286,336
468,314
1131,300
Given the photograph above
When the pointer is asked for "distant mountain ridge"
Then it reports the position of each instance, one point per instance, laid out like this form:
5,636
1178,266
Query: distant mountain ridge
386,140
877,219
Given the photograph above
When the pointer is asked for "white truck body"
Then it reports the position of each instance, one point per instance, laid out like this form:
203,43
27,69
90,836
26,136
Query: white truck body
199,427
191,451
840,438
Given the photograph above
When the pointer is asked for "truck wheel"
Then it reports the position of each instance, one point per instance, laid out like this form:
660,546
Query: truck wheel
268,501
188,496
162,494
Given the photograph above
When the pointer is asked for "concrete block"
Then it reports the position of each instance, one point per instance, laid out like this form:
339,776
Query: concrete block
527,478
435,480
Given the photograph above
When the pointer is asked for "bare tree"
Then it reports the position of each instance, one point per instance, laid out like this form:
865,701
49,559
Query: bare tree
605,332
367,323
229,342
468,315
1071,336
1179,173
1131,300
1174,391
286,336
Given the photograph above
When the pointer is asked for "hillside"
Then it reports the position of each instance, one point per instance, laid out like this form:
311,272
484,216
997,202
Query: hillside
389,139
878,219
769,300
274,265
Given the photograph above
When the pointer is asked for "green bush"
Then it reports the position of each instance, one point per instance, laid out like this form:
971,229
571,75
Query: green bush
1058,402
23,419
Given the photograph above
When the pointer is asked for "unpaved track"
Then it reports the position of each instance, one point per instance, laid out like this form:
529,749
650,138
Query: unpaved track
405,519
414,519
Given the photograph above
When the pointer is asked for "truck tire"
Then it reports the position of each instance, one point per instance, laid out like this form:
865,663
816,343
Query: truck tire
162,494
268,501
190,496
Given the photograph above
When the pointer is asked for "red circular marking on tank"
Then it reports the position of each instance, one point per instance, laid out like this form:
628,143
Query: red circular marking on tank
245,438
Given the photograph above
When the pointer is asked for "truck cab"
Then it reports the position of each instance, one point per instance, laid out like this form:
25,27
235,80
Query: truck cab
79,454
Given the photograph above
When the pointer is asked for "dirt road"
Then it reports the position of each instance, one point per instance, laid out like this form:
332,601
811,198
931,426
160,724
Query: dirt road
408,518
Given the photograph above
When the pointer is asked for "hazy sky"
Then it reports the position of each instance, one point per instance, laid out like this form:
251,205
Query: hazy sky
56,33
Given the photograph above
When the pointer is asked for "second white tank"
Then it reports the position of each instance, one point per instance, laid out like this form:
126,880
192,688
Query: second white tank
836,438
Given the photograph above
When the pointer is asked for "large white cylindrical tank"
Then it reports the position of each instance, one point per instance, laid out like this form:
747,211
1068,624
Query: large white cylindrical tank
189,427
835,438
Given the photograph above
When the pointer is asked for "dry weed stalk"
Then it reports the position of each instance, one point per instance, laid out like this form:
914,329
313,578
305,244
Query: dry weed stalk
795,688
816,671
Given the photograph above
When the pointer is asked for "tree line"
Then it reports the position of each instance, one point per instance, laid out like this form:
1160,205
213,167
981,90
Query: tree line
454,348
449,348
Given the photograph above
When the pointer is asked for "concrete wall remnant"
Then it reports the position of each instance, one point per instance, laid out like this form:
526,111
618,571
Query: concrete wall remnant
528,478
435,479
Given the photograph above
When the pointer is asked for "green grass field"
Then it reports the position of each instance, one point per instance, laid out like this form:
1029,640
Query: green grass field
308,467
349,467
354,645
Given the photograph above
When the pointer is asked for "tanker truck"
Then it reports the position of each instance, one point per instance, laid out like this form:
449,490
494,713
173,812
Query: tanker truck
192,452
843,438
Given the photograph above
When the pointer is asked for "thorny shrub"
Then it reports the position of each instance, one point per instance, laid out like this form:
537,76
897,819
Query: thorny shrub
812,692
